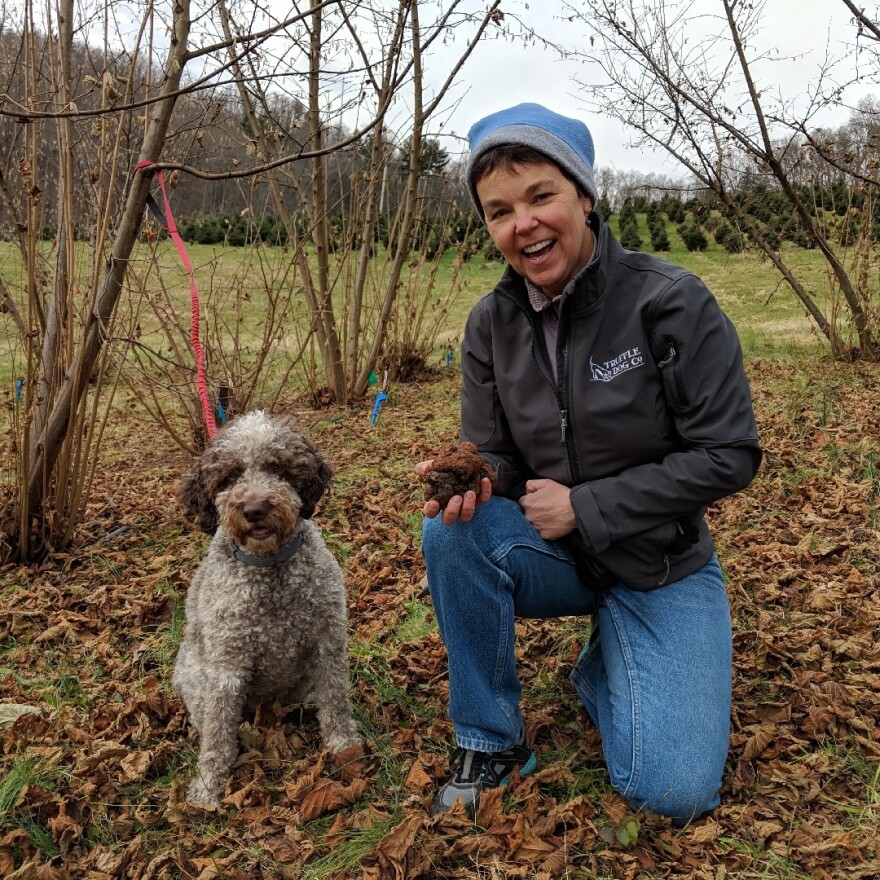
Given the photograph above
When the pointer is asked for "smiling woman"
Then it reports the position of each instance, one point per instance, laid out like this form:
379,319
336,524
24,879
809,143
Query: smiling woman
606,389
538,221
531,180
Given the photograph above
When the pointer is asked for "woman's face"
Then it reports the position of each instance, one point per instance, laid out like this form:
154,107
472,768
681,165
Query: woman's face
538,221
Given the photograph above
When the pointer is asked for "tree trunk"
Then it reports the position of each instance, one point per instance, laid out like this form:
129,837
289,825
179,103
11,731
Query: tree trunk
299,252
44,452
406,226
867,343
333,367
377,175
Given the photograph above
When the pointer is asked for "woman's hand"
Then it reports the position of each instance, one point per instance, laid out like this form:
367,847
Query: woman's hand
459,507
547,506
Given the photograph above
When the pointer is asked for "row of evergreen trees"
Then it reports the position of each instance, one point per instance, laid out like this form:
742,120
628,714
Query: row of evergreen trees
686,223
844,213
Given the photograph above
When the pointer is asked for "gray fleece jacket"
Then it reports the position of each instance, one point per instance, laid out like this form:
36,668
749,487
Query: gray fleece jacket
649,421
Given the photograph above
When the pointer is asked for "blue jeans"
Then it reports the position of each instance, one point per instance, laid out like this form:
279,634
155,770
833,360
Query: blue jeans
655,678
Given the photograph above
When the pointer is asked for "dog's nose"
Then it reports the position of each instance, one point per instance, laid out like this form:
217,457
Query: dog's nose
255,511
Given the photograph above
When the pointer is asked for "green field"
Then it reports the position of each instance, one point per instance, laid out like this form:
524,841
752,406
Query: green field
233,285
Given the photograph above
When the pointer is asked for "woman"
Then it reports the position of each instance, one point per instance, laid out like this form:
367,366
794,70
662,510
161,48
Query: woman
607,389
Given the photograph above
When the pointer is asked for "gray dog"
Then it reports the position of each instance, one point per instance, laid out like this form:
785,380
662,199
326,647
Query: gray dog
266,609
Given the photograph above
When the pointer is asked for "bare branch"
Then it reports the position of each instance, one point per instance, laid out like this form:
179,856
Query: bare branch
676,93
866,26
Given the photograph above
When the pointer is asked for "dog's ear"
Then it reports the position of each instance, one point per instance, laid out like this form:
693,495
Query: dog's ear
315,484
307,468
197,499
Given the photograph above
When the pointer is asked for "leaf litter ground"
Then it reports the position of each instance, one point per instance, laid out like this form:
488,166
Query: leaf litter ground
95,749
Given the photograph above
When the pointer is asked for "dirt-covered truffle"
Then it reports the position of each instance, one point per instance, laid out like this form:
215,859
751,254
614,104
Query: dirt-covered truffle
454,472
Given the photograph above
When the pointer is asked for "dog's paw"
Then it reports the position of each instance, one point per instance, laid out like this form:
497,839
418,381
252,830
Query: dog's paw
342,740
349,744
199,794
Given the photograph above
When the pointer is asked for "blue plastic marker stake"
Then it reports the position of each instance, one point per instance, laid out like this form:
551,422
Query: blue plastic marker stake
224,400
448,358
381,397
19,390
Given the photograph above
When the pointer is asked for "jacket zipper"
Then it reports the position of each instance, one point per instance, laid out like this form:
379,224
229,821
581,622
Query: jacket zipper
566,437
681,400
670,355
562,397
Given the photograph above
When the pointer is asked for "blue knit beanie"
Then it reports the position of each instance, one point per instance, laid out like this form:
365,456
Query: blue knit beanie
565,141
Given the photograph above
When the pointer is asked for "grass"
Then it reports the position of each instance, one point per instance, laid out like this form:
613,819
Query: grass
416,622
870,473
347,856
21,775
370,663
159,650
233,285
62,681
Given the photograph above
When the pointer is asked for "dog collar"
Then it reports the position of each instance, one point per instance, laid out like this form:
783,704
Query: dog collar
279,558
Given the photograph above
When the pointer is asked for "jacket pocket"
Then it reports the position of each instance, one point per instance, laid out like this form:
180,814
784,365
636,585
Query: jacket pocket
656,556
687,533
643,555
671,372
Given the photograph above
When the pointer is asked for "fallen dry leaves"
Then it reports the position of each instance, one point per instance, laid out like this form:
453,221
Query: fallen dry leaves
102,748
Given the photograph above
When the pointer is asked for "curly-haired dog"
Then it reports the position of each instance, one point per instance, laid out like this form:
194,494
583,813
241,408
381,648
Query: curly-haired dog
266,609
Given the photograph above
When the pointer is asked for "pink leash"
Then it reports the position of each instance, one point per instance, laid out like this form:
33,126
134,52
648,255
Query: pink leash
166,221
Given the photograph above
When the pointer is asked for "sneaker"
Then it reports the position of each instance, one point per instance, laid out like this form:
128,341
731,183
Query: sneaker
474,772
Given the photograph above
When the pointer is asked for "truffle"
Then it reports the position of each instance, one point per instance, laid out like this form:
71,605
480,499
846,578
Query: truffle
455,471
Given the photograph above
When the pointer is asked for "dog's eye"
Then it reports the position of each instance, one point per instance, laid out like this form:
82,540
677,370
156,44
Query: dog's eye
274,467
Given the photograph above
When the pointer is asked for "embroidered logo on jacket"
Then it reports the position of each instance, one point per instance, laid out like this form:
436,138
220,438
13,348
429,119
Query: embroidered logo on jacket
608,370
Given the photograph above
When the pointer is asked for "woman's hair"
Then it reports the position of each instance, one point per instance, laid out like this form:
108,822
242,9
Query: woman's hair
507,155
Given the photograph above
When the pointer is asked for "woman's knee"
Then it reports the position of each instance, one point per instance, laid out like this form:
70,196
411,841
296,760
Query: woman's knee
464,538
432,535
445,543
682,795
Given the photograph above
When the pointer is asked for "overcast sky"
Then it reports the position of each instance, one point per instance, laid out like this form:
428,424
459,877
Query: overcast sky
501,73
